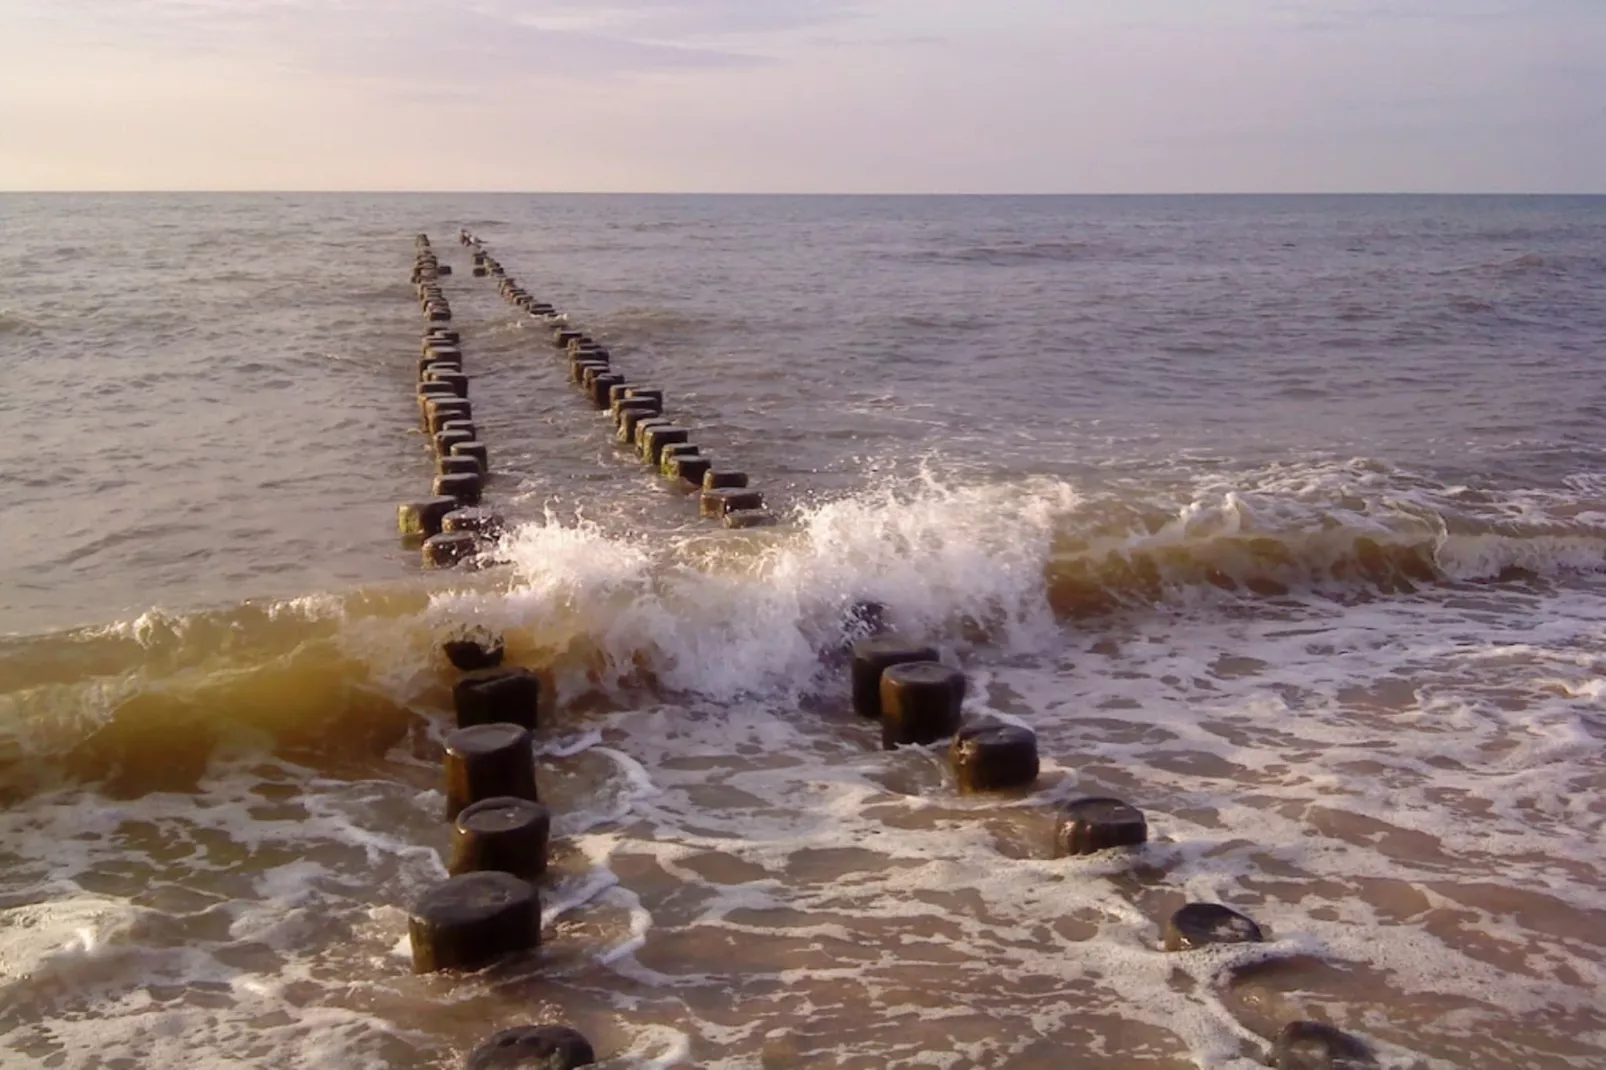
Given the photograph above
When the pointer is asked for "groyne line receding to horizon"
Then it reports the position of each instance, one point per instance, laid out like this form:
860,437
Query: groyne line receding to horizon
489,908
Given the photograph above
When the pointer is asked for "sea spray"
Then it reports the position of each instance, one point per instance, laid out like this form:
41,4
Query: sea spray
726,614
984,569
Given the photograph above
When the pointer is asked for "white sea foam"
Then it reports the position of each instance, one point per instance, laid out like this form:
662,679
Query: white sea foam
1405,789
711,617
660,1049
575,894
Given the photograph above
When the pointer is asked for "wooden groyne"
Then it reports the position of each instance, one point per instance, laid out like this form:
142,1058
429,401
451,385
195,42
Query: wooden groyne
489,908
449,525
637,410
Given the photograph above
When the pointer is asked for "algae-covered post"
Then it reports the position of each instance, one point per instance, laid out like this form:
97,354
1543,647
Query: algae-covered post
602,385
1205,924
871,658
451,375
717,503
502,833
920,703
449,464
423,518
500,696
441,409
691,469
449,549
428,390
482,522
461,424
994,757
533,1047
654,441
1318,1046
473,649
472,448
1086,826
673,451
472,920
723,479
488,760
446,438
466,487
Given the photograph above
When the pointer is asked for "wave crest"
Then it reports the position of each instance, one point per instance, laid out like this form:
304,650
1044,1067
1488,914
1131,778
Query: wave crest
146,704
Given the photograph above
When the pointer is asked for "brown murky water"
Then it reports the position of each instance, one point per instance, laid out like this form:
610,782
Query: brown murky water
1310,574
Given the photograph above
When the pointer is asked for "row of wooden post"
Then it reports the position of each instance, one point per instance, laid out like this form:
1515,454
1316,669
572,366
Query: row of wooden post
918,702
451,526
489,907
636,409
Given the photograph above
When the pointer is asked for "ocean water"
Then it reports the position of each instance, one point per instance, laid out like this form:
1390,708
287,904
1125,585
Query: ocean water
1282,518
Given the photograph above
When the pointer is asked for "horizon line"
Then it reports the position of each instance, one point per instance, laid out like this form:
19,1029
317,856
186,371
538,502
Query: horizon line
784,193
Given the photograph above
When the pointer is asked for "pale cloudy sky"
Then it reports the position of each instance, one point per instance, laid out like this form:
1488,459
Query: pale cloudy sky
805,95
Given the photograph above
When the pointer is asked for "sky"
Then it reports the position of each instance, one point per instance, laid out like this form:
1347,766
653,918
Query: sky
805,96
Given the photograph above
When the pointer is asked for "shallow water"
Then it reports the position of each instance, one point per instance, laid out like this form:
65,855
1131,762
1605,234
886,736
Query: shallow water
1281,518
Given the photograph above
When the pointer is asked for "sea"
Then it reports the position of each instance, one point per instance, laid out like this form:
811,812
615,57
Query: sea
1280,518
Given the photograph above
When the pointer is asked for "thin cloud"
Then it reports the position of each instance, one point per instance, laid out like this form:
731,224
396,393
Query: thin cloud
912,41
420,40
446,47
1329,15
673,23
802,94
681,19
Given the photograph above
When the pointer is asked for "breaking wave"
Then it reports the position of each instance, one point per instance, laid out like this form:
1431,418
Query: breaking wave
145,704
